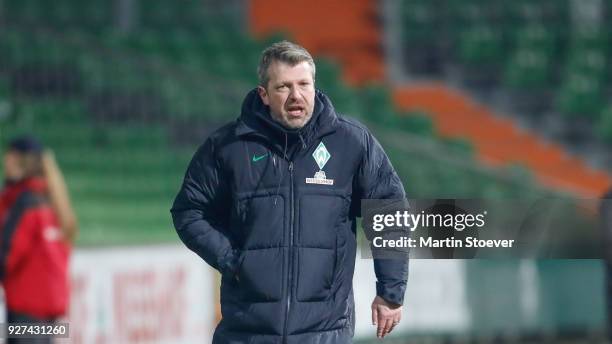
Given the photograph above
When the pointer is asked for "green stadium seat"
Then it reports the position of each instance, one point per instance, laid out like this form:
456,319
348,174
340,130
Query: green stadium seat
346,100
458,147
590,38
481,46
580,96
327,72
419,21
536,37
588,62
160,14
491,189
5,91
49,113
146,41
26,12
416,123
528,70
377,105
96,15
604,125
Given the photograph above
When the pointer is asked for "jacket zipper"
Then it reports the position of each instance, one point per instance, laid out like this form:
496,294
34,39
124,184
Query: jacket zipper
290,268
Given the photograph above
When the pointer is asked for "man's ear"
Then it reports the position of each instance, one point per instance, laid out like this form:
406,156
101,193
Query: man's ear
263,94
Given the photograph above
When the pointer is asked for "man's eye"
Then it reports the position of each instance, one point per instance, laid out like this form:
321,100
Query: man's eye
281,87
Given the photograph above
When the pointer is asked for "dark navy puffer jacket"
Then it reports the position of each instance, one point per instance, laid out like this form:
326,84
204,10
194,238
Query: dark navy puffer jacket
283,238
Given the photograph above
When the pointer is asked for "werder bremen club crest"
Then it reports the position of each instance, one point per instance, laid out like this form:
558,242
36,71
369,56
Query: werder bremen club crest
321,156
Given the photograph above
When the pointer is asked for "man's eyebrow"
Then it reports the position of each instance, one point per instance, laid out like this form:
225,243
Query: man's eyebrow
281,83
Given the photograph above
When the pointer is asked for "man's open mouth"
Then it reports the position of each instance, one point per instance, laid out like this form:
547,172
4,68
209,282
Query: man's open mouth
295,110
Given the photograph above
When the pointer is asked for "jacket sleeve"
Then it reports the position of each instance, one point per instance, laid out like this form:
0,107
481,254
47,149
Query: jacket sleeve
200,210
26,234
377,179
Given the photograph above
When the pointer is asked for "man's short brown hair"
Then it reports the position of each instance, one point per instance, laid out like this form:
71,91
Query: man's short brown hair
283,51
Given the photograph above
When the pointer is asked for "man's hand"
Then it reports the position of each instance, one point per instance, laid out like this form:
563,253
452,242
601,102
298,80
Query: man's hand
385,315
58,193
48,160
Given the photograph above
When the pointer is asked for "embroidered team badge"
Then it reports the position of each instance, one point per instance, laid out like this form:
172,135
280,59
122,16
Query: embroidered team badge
321,157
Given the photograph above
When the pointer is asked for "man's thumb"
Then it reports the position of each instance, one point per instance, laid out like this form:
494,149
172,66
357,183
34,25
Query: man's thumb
374,314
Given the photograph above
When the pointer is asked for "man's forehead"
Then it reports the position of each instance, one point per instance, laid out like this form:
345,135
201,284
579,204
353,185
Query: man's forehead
284,70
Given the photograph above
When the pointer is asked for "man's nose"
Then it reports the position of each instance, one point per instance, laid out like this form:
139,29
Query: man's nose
294,93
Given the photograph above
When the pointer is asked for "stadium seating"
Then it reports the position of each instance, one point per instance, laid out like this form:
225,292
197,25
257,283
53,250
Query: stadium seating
524,47
125,111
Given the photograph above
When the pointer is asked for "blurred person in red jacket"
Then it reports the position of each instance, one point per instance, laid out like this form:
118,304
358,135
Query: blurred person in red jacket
37,230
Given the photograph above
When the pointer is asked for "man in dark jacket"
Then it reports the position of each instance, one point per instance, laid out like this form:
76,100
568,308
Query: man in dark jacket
271,201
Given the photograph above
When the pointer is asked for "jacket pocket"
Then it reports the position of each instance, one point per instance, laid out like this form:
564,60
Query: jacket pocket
259,277
316,267
260,221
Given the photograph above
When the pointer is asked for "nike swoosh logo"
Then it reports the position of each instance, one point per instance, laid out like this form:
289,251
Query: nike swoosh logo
257,158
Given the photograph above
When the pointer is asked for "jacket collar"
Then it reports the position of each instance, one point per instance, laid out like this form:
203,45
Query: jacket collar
12,190
255,120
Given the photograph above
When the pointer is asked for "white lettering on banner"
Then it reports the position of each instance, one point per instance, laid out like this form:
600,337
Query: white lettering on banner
149,304
160,294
